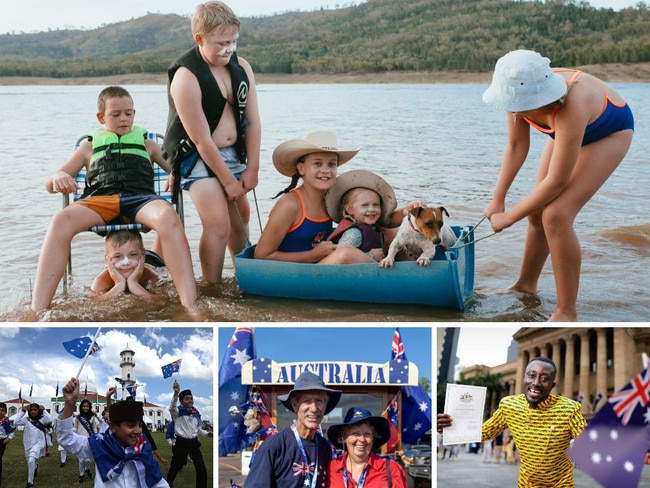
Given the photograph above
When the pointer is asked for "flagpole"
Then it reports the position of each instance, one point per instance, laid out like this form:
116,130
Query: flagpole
90,348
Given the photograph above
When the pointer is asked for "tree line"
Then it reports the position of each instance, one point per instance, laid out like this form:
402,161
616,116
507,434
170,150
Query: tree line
373,37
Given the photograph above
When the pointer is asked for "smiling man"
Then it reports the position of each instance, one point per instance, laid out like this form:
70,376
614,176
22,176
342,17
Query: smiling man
542,426
298,455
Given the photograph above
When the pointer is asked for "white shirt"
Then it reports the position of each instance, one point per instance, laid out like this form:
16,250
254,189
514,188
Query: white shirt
133,474
33,438
186,426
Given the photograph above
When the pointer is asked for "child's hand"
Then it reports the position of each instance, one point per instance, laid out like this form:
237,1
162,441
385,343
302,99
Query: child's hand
234,190
134,278
71,391
414,204
377,254
115,275
111,391
176,387
62,182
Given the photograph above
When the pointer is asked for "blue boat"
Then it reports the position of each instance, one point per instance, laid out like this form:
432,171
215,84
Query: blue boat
447,282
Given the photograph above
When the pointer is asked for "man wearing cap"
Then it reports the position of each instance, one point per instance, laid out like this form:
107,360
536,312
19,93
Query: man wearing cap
298,455
123,456
187,428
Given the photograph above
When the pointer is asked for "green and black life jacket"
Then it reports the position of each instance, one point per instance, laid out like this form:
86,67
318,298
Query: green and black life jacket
177,144
119,164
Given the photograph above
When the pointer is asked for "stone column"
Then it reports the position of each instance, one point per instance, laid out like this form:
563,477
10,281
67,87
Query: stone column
601,364
521,368
583,380
569,368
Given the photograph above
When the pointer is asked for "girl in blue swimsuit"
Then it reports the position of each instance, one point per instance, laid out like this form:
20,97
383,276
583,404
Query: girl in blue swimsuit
590,128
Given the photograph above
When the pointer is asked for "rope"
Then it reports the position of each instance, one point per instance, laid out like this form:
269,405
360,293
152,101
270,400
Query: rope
241,220
476,240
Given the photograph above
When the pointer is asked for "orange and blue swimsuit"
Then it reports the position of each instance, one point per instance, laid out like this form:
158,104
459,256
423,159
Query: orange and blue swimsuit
307,232
614,117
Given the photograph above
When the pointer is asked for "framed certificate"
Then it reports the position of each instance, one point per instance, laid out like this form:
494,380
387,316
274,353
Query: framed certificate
465,404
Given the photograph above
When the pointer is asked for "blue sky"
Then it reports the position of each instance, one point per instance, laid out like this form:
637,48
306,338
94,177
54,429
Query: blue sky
337,342
35,356
36,15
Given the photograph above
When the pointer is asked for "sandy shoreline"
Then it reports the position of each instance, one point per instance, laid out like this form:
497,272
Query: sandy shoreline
617,73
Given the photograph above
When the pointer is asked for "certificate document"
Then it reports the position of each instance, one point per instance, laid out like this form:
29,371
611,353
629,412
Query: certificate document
465,404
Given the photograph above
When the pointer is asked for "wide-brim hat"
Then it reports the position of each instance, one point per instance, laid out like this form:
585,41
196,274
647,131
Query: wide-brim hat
125,411
309,381
287,154
523,80
354,416
360,178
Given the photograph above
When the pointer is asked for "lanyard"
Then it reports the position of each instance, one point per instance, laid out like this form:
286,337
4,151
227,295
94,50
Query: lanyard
310,471
362,480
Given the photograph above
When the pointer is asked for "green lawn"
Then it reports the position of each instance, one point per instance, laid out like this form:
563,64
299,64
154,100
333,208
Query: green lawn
51,475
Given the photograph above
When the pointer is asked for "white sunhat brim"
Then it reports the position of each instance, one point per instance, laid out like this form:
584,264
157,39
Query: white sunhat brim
501,96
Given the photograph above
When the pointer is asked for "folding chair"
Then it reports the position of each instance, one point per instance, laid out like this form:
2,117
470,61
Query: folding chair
159,182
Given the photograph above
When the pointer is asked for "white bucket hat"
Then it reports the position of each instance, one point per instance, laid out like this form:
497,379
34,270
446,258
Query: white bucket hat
523,80
287,154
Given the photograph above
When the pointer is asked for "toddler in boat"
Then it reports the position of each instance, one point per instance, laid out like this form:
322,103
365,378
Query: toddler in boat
360,202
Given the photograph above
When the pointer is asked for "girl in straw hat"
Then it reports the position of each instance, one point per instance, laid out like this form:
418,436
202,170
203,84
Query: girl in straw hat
590,128
298,224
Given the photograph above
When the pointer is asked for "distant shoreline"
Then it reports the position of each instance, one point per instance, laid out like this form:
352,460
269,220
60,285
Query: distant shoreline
615,73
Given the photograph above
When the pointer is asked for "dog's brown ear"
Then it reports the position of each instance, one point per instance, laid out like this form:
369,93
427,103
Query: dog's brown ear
443,209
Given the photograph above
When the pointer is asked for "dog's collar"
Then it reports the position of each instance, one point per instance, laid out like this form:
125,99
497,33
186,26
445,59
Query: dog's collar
411,224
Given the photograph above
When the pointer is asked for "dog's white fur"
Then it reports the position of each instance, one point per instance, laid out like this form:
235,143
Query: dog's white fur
419,234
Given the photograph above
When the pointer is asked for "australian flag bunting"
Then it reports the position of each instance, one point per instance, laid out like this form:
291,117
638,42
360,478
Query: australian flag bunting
240,350
612,448
79,347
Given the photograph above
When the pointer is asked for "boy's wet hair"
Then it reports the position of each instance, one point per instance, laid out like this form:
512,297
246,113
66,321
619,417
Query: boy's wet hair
212,17
118,238
3,405
110,92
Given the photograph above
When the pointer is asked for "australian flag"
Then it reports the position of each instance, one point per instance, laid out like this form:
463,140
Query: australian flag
612,448
240,350
79,347
391,413
171,368
416,403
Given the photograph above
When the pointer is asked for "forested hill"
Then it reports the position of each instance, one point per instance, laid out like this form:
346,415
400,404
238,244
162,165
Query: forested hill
376,36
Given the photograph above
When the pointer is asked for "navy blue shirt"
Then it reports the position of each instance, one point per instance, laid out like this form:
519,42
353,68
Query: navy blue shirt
276,462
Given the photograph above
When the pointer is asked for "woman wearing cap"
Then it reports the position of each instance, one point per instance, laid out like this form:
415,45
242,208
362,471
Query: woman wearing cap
298,224
359,436
590,128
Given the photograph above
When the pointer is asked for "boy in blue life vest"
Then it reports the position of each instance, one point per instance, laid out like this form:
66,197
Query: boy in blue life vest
35,420
119,187
123,456
187,428
6,433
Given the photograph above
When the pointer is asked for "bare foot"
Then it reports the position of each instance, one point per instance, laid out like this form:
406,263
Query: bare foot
559,316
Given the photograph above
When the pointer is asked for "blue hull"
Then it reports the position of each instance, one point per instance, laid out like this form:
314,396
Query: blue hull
447,282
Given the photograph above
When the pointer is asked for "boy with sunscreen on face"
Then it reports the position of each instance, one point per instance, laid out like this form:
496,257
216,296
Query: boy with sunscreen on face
126,269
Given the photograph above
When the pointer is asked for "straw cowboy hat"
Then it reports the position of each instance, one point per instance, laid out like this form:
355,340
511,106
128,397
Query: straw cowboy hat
286,155
354,416
308,381
523,80
360,178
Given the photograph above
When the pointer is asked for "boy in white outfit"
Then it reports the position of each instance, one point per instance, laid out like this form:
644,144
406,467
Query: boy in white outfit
34,437
123,456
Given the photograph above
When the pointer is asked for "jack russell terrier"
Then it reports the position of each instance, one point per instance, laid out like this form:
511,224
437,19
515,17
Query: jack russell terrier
419,234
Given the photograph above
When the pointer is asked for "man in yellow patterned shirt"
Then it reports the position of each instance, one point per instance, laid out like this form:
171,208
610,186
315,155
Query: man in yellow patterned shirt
542,426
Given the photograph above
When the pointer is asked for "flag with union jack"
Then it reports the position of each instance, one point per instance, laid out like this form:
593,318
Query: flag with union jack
397,347
302,469
391,413
171,368
612,448
79,347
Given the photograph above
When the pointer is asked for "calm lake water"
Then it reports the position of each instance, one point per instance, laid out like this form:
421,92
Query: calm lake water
436,143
